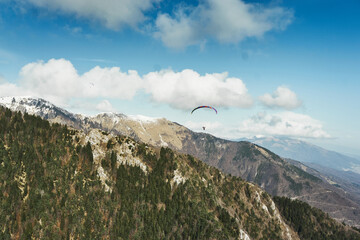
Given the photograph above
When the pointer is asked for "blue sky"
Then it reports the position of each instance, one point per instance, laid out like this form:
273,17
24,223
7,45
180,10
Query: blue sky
285,68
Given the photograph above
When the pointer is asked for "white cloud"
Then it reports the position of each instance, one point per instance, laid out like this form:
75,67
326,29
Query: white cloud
105,106
176,33
58,81
187,89
262,124
227,21
112,13
111,82
57,77
224,20
282,98
283,124
10,89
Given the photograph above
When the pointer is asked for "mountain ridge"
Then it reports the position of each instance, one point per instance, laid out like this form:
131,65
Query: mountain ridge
307,153
58,183
247,160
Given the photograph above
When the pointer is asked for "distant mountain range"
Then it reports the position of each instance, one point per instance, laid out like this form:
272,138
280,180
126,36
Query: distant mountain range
307,153
244,159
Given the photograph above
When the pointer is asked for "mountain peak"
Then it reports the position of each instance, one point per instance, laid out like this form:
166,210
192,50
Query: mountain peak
36,106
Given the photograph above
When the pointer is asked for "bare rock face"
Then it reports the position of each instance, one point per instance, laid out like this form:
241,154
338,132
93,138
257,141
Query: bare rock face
244,159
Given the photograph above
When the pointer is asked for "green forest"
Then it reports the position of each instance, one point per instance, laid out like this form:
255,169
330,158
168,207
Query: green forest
312,223
51,190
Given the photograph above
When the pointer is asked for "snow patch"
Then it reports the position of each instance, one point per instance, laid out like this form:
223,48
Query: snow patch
178,178
144,119
243,235
162,142
31,105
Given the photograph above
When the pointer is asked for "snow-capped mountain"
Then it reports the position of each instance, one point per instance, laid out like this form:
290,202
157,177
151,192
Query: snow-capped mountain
307,153
249,161
39,107
155,131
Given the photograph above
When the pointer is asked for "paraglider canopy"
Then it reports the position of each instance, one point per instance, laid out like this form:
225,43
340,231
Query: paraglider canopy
203,107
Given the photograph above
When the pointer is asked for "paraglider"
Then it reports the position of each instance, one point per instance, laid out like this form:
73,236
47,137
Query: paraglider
203,107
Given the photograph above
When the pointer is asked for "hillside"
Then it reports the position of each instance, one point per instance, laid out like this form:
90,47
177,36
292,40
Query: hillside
304,219
62,183
244,159
308,153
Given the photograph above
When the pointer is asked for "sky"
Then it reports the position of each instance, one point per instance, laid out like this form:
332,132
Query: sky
270,68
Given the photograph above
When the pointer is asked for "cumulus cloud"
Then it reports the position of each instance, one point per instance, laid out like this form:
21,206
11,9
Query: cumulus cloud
112,13
111,82
105,106
10,89
283,124
224,20
228,21
186,89
282,98
263,124
58,81
55,77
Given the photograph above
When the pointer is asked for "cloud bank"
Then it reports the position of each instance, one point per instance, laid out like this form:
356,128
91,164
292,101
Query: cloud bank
282,98
113,14
283,124
186,89
286,124
59,81
105,106
227,21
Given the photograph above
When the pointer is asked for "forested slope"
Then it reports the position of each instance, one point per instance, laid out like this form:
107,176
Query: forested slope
59,183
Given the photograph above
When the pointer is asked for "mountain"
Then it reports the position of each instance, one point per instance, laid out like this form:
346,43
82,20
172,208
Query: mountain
39,107
326,165
307,153
60,183
244,159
